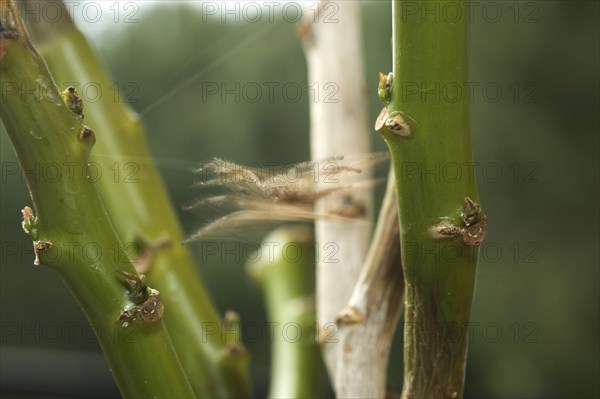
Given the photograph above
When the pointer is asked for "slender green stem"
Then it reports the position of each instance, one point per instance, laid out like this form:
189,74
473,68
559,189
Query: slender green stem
72,232
441,224
141,211
288,284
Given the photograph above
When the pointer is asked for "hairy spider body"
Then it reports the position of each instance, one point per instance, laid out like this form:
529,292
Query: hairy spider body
264,196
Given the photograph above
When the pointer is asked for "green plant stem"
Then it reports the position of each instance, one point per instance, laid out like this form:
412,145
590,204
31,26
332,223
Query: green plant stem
139,207
439,269
72,217
287,281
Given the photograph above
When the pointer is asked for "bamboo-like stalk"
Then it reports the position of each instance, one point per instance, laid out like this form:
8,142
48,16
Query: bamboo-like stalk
71,219
287,281
331,35
441,223
141,211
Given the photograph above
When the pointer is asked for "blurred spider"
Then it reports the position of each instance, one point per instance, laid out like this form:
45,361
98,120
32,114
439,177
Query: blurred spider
261,197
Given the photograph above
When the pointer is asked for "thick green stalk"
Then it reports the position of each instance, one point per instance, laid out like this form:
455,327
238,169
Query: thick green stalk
72,232
141,211
287,281
441,224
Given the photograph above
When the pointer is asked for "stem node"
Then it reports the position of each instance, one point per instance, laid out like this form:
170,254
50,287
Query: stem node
350,315
39,246
85,133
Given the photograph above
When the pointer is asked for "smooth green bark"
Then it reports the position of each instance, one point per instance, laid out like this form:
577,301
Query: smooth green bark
428,133
287,281
85,250
140,209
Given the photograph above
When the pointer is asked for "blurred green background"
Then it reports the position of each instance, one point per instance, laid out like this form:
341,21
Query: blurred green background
536,311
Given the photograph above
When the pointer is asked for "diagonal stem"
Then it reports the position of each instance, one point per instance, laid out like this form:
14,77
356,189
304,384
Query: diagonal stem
143,215
71,217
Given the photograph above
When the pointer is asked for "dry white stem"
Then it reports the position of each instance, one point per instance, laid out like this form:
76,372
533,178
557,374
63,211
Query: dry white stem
333,47
377,298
